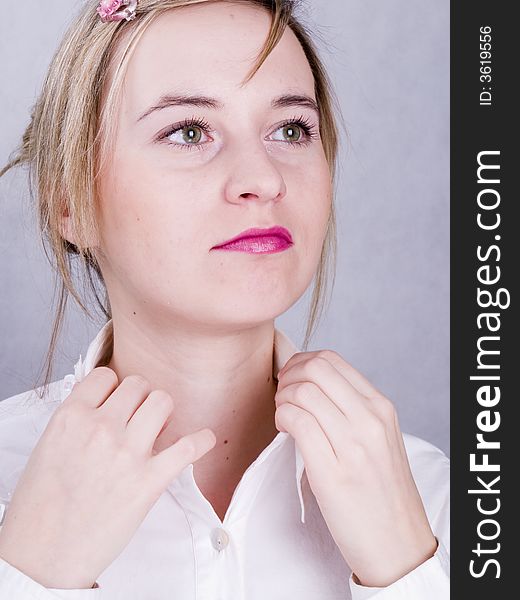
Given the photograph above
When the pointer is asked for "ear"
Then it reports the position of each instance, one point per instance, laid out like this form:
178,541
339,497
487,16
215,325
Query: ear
68,231
67,228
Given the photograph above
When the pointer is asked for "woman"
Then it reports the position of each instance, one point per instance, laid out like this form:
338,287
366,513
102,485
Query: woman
197,184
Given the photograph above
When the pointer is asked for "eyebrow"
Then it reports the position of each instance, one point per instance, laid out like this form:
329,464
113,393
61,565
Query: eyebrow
282,101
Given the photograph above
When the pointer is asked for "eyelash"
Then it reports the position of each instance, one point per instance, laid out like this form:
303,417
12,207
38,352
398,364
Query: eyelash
309,130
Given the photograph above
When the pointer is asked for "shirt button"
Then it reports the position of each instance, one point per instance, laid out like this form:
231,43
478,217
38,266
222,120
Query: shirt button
219,539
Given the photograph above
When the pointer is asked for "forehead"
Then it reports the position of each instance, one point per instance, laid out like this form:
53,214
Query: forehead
210,48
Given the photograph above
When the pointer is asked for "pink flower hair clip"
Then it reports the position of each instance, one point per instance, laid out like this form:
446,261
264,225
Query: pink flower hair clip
116,10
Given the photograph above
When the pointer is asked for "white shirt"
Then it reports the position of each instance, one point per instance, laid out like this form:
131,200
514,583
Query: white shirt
273,543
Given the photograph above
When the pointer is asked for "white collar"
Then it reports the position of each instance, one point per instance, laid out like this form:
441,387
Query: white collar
284,348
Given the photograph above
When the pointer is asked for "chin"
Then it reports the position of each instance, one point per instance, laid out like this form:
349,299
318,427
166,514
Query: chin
257,304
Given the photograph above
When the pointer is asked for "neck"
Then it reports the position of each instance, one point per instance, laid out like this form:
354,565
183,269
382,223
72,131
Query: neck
222,380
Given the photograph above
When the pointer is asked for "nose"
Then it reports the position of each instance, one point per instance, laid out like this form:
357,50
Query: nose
253,176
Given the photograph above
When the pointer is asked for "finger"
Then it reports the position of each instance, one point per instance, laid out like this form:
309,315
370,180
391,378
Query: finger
168,463
332,421
148,420
332,383
94,389
359,381
312,442
126,399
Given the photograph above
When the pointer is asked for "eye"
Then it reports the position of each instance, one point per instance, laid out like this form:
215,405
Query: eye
190,133
300,131
293,131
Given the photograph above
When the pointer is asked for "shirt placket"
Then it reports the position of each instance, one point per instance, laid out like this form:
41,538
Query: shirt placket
218,546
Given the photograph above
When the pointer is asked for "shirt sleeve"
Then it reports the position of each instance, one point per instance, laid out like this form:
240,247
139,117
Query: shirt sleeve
15,584
429,581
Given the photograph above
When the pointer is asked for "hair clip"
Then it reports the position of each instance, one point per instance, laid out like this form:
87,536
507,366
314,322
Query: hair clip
116,10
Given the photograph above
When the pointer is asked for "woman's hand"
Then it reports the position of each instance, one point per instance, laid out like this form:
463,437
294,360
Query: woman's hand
92,478
356,465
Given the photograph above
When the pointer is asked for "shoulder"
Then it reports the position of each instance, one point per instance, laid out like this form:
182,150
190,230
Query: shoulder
431,471
27,406
430,466
23,419
424,454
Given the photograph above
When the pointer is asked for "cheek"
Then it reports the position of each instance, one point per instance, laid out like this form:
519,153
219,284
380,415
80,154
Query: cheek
144,219
314,214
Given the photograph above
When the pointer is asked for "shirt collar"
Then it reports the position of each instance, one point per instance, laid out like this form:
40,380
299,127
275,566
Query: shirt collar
284,348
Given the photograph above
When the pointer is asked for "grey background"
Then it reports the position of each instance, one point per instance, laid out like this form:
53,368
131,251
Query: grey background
389,314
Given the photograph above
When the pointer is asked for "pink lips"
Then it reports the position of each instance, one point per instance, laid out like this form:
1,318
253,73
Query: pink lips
259,241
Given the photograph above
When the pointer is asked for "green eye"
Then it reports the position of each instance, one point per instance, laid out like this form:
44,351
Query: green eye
293,132
296,132
190,135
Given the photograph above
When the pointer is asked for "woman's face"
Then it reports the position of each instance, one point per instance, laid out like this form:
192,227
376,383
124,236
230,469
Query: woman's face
167,198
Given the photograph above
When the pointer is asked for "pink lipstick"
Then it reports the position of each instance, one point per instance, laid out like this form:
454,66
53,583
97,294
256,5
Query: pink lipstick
259,241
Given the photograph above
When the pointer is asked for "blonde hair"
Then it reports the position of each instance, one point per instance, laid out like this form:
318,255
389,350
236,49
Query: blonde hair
69,136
